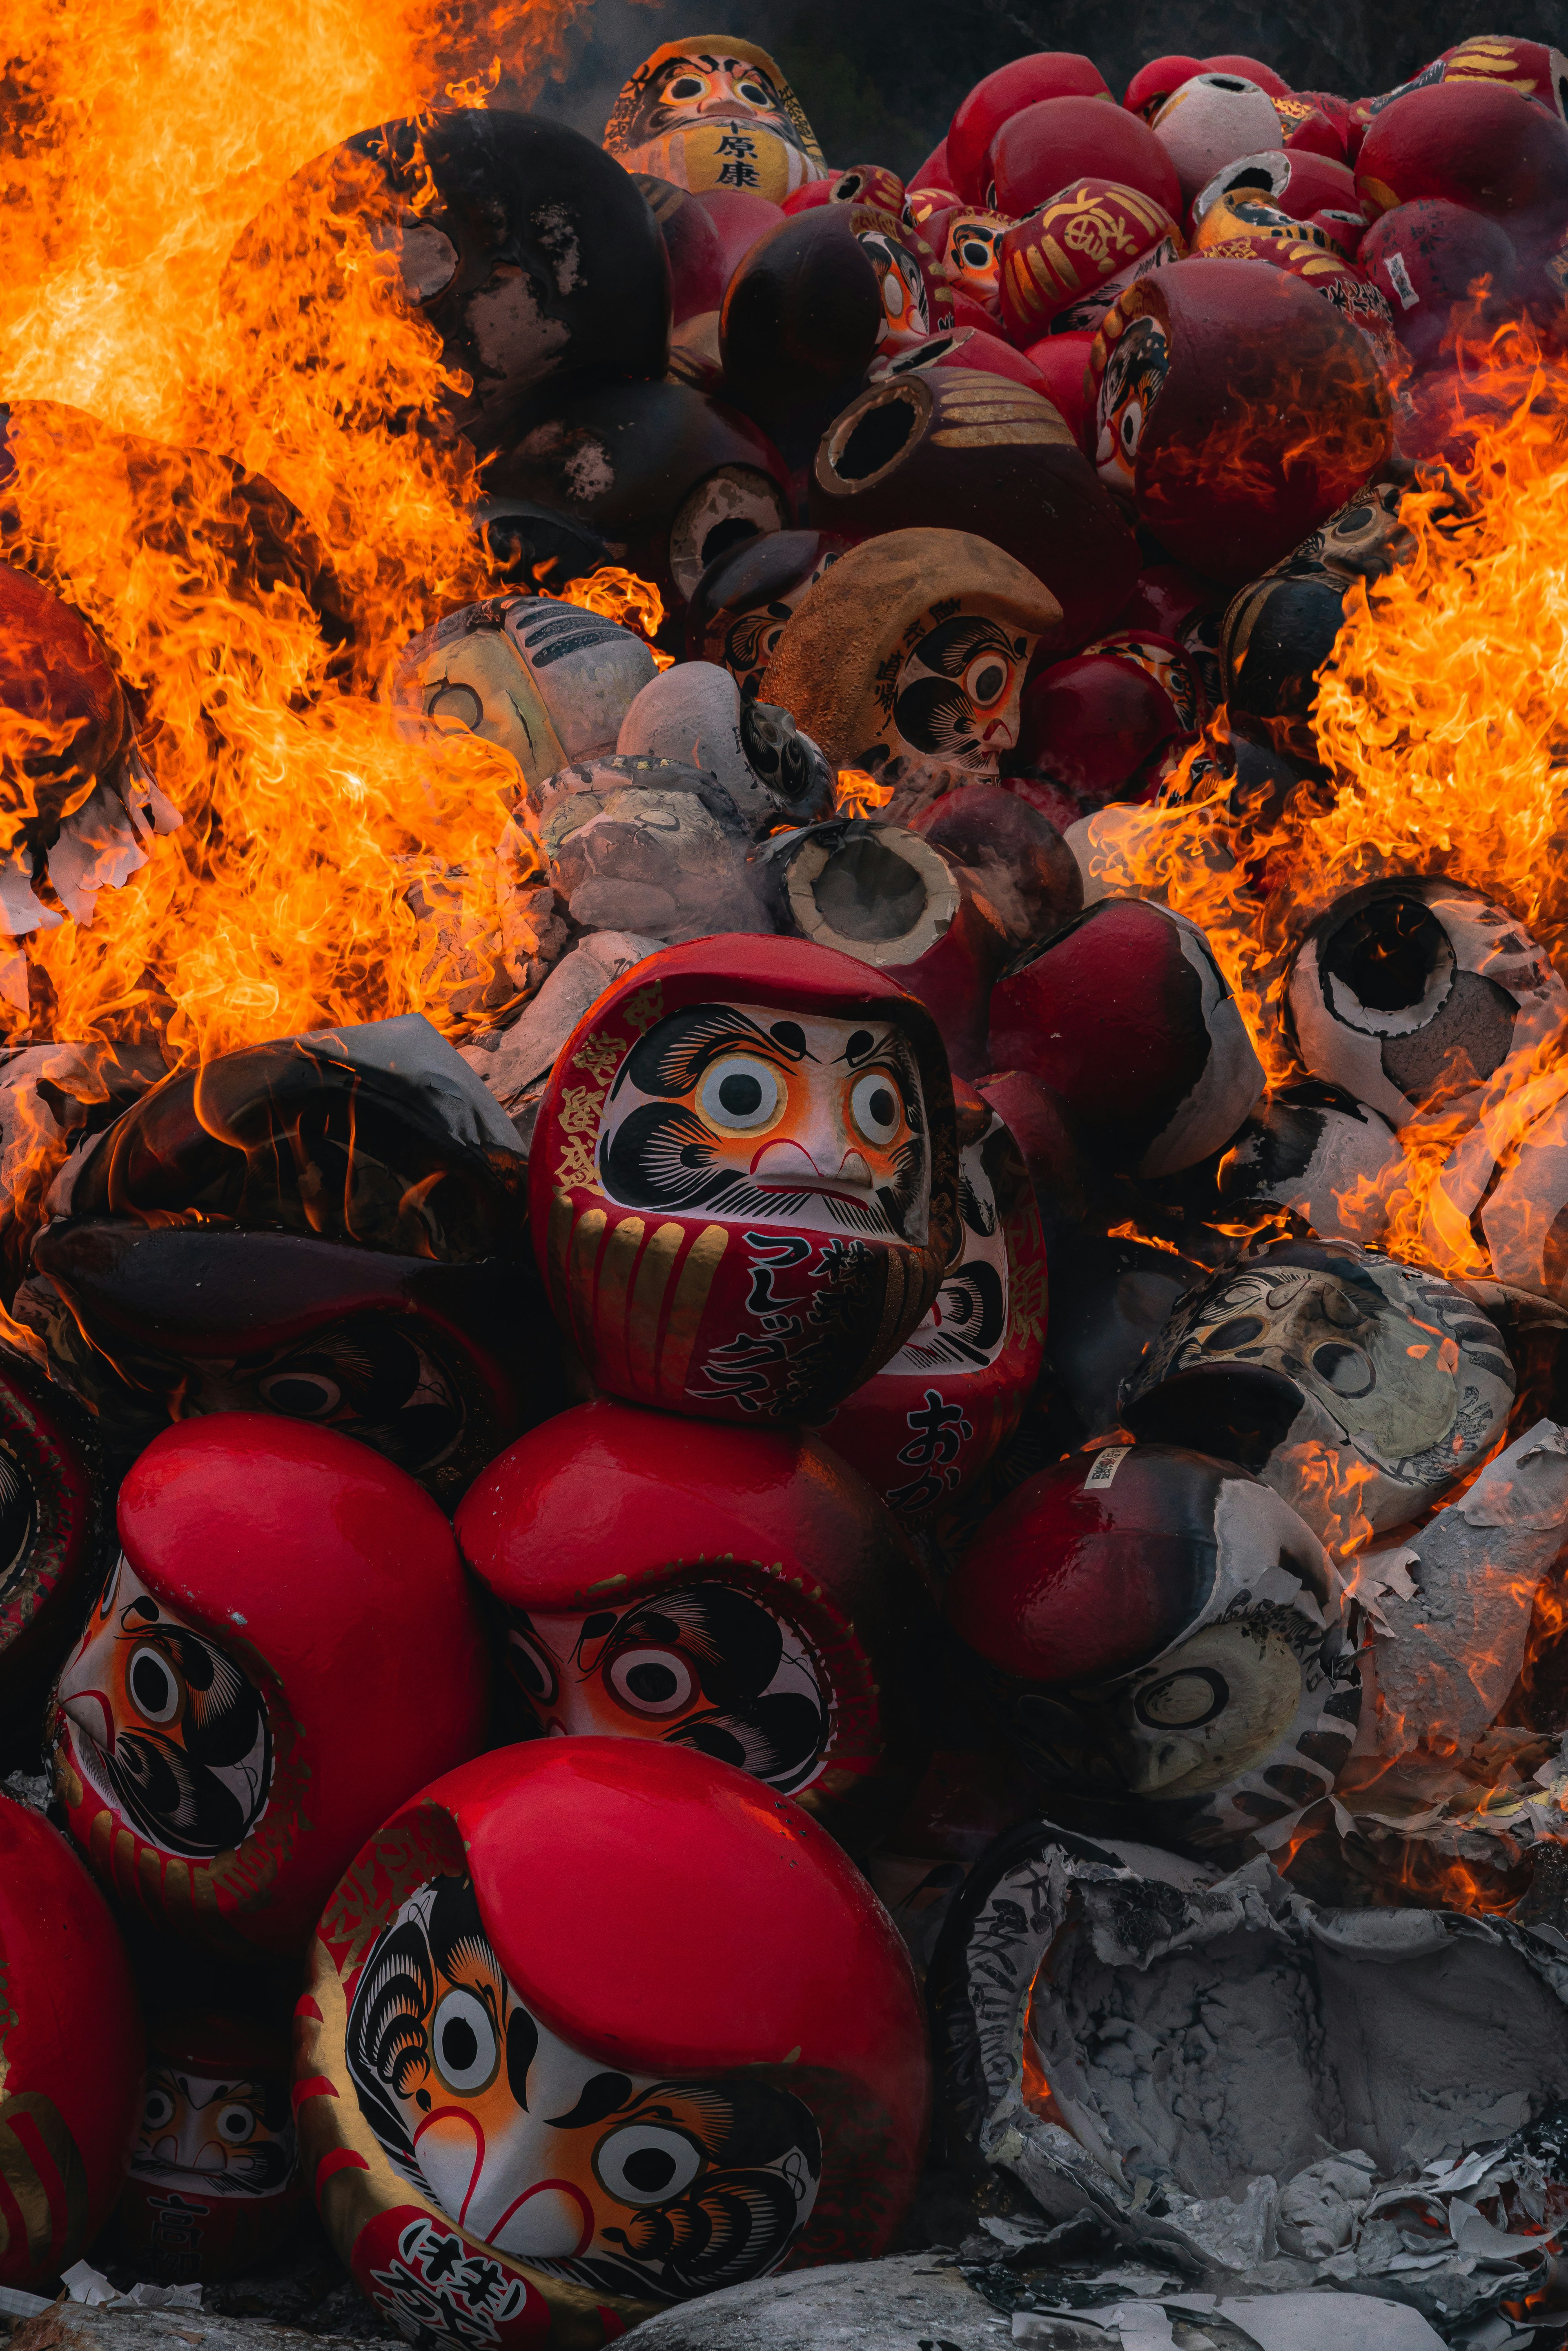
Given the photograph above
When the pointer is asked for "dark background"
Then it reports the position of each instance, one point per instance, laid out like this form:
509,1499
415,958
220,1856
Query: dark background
880,78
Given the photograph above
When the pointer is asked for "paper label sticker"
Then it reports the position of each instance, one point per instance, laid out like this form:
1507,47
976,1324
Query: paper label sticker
1394,264
1106,1464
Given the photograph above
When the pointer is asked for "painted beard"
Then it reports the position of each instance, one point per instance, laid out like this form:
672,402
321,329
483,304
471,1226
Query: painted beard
708,1667
164,1725
965,1328
620,2182
729,1111
956,698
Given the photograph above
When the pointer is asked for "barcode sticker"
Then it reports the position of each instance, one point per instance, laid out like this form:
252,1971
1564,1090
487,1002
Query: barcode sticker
1394,264
1106,1464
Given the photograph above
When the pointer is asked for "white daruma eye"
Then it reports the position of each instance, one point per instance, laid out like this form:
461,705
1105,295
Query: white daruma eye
153,1685
157,2111
236,2125
652,1681
531,1667
876,1106
644,2165
740,1094
463,2042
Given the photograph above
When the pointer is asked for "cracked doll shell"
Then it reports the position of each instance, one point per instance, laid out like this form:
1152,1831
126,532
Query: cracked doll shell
595,2144
1359,1388
743,1179
752,1615
71,2088
284,1645
1166,1635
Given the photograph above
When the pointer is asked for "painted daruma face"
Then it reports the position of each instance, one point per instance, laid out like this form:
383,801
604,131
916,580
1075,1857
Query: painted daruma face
905,312
729,1110
956,696
709,84
708,1667
164,1725
1134,377
228,2134
616,2180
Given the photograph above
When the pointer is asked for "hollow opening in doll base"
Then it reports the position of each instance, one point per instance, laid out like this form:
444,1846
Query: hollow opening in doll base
866,891
876,439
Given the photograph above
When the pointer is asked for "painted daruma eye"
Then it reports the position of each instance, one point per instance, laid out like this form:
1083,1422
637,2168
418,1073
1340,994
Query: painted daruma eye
876,1106
1184,1701
236,2125
157,2110
531,1667
687,86
304,1396
153,1685
986,679
463,2042
756,93
645,2165
740,1093
652,1681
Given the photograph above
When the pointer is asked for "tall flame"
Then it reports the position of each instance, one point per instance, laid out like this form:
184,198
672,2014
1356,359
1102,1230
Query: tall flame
140,144
1443,718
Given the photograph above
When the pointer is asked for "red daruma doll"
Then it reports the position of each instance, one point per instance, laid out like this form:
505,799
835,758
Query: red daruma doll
743,1185
594,2025
284,1646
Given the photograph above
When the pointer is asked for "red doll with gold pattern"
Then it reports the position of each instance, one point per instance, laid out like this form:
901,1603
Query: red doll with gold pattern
744,1179
594,2025
757,1600
285,1644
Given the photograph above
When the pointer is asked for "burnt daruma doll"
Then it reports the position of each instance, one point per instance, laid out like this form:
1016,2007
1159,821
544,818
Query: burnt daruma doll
330,1226
227,1727
743,1178
513,2133
911,653
215,2185
710,111
1359,1388
1236,411
1164,1638
756,1603
926,1426
53,1525
72,2069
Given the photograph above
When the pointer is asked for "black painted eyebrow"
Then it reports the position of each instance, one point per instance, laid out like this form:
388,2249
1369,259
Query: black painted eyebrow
602,2094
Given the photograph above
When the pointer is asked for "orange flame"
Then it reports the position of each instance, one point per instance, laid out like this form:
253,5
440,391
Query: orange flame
859,794
1443,718
326,871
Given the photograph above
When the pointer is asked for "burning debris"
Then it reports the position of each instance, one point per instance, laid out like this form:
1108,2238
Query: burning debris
782,976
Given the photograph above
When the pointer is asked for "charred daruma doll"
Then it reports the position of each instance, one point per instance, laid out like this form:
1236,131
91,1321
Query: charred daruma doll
285,1642
1165,1638
72,2053
744,1179
515,2134
740,1593
912,651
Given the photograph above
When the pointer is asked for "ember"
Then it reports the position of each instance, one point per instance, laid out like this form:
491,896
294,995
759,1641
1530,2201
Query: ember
783,972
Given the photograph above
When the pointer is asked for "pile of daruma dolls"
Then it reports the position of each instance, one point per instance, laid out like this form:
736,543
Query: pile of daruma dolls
506,1548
